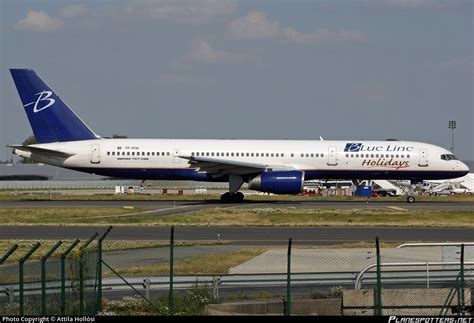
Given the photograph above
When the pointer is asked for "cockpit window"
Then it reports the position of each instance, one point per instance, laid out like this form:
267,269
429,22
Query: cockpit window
448,157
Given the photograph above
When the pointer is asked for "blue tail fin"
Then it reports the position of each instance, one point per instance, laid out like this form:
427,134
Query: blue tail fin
50,118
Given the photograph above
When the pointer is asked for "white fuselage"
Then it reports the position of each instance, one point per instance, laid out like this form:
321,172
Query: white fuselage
163,158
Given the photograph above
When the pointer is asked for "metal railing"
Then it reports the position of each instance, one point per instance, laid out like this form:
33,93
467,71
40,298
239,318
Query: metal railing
360,276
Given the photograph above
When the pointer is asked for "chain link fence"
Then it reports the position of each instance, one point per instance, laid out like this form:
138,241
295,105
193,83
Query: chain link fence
44,280
239,278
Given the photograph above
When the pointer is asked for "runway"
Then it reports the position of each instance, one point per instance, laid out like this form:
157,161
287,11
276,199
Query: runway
245,235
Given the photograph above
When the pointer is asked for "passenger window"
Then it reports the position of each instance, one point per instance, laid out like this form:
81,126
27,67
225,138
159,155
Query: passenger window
232,154
277,155
247,154
307,155
312,155
212,154
292,155
282,155
322,155
396,156
237,154
153,153
252,154
302,155
408,156
168,153
271,154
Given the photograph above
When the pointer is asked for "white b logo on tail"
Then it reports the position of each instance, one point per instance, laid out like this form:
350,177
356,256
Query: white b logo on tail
42,96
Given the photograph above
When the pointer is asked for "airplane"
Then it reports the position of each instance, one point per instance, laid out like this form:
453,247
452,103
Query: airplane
271,166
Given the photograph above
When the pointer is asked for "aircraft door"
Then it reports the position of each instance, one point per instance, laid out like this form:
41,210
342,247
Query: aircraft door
423,162
332,156
95,154
176,159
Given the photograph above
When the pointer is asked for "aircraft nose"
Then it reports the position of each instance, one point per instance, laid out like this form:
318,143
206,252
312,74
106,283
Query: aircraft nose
464,167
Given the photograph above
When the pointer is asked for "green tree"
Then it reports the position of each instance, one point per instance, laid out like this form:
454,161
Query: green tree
31,140
116,136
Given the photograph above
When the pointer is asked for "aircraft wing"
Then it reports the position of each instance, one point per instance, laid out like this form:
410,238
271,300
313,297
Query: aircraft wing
219,167
42,151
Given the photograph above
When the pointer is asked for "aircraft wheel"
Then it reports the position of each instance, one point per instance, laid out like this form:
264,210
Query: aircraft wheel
239,197
232,197
410,199
226,197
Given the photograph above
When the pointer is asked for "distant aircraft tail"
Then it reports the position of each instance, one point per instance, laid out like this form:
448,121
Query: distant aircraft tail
50,118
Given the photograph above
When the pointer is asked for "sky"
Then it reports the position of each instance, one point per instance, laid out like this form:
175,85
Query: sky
281,69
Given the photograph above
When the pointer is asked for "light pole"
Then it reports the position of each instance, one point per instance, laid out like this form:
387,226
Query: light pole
452,126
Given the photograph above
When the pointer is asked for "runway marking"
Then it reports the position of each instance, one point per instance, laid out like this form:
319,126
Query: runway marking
397,208
153,211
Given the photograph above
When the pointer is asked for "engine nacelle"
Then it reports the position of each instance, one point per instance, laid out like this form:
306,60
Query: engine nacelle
278,182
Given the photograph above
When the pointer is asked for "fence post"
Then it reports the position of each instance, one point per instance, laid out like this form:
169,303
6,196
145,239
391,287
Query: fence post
463,304
8,253
10,291
99,269
170,295
147,284
21,263
378,290
81,272
63,275
288,280
43,275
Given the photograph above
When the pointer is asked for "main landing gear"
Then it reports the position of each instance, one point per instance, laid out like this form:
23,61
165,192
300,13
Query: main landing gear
229,197
233,196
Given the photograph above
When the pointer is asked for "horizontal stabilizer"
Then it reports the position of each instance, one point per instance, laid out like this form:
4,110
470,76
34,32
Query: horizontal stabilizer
42,151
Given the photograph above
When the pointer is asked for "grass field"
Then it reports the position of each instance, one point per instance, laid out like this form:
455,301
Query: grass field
290,216
26,216
218,263
108,245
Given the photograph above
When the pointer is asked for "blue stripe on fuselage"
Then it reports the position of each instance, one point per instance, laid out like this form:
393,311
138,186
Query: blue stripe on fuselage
192,175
